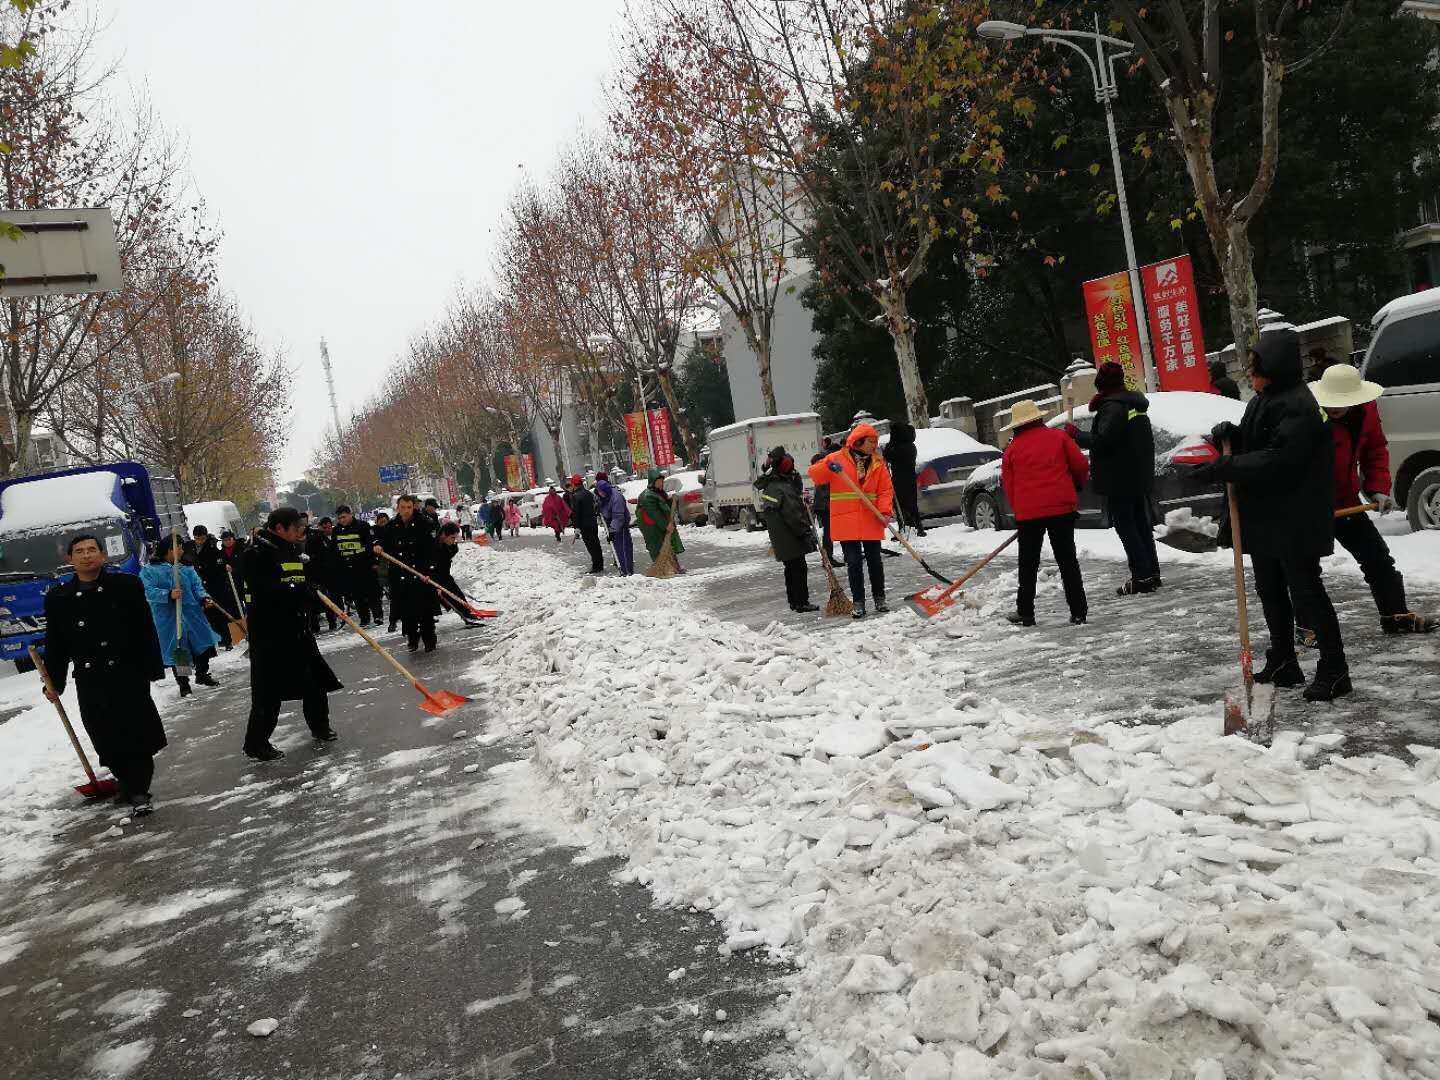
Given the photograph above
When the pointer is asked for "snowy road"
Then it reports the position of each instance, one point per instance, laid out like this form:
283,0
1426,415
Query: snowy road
383,900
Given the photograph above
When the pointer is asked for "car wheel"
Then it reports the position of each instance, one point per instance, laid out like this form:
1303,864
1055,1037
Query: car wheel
984,512
1423,505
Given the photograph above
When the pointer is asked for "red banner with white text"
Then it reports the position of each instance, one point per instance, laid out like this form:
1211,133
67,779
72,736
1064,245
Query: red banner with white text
512,473
529,463
1110,311
660,438
635,432
1175,333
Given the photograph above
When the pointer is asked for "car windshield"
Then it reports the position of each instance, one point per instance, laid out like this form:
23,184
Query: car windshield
42,554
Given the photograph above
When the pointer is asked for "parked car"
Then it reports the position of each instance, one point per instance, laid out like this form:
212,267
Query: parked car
944,459
689,489
1180,420
531,514
1404,357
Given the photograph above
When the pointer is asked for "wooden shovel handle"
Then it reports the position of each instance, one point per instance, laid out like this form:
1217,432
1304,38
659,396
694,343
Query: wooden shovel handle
368,639
428,581
39,663
889,527
238,605
951,589
1363,508
1242,612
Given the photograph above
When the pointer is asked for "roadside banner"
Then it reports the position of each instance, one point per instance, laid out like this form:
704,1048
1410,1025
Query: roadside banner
660,438
512,472
635,432
1170,299
454,492
529,462
1110,311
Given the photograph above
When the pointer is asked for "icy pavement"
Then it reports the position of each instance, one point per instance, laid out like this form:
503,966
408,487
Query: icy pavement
391,905
978,874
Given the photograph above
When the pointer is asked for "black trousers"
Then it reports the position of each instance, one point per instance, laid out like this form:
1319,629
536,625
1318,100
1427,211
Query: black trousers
860,554
362,588
414,602
908,500
265,714
591,539
1287,584
316,607
133,771
797,581
200,662
1061,531
1357,535
1130,517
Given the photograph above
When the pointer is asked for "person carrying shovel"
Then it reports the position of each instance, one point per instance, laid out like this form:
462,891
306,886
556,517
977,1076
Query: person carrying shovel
285,662
791,535
179,594
99,622
853,524
410,538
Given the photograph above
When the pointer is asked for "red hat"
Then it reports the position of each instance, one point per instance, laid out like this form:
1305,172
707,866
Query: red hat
577,479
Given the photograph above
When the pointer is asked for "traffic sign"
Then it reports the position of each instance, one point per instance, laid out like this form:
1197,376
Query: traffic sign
394,474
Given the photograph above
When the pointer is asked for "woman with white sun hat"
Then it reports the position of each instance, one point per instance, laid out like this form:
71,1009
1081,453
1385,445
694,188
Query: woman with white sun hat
1362,475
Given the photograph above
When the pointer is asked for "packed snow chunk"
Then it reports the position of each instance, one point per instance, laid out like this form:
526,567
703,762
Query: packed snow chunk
1351,1003
1222,1002
946,1005
972,1065
931,1065
1140,1060
263,1029
871,974
509,905
1209,1069
851,738
929,796
975,789
121,1060
1151,818
1077,967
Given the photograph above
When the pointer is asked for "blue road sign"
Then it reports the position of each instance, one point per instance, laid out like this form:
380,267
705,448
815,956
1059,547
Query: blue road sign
393,474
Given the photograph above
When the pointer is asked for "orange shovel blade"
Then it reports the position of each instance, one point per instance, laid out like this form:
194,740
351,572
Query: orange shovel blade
439,702
483,613
932,601
100,788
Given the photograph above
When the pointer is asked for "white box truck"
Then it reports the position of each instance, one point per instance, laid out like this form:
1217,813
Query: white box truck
737,456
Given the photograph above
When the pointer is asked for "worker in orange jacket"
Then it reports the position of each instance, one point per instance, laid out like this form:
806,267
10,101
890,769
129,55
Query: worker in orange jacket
851,522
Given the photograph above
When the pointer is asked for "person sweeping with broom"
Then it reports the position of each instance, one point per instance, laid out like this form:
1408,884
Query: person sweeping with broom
852,523
99,622
652,511
178,602
285,662
791,535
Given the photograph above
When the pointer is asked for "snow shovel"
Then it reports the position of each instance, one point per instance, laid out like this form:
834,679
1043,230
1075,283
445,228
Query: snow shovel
930,602
893,533
181,656
664,565
236,627
479,613
238,605
1247,706
97,787
435,702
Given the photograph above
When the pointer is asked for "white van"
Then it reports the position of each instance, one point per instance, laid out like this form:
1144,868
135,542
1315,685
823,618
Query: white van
1404,357
217,516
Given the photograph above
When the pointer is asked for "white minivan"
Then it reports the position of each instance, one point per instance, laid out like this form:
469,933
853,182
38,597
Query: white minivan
1404,357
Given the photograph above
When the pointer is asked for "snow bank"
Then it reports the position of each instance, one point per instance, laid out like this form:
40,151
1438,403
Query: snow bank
936,442
58,500
970,890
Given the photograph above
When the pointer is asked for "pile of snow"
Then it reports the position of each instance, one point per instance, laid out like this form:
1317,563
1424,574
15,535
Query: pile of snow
970,890
52,501
1181,412
682,483
1185,520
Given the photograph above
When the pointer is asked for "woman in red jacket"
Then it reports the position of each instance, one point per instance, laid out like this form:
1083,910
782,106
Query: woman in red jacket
1362,464
851,522
1042,472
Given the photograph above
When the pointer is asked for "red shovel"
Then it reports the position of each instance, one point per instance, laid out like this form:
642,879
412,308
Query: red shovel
435,702
478,613
932,601
98,787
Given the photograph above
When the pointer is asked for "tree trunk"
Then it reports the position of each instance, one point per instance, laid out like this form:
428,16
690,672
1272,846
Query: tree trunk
902,333
667,388
760,346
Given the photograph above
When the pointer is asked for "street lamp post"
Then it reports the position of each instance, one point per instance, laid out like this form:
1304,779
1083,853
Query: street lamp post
1102,76
126,400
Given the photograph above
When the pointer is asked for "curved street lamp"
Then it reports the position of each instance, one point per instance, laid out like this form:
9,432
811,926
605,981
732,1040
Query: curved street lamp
1102,76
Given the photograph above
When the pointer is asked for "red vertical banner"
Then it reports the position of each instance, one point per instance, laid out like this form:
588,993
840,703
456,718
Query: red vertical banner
635,432
451,489
1110,311
1175,333
660,437
512,473
529,462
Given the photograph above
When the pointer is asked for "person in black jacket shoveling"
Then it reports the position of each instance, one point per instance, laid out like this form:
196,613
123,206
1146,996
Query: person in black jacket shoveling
410,537
100,621
285,662
1283,468
791,534
1122,469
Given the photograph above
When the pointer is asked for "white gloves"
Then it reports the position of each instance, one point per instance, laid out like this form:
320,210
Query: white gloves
1383,502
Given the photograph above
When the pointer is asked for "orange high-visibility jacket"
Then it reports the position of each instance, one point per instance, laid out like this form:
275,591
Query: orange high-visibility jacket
849,518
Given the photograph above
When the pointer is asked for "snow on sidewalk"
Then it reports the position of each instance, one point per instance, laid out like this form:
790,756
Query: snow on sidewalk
968,890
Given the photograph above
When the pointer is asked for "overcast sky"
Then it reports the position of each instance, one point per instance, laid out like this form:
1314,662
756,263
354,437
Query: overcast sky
358,153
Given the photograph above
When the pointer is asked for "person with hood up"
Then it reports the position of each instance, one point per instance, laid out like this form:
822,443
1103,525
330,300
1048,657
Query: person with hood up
1122,470
1281,461
851,522
615,512
1042,472
652,510
587,521
1220,381
195,631
1362,464
554,512
900,455
788,522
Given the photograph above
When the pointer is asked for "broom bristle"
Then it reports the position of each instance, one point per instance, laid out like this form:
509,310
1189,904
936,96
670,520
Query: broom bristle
664,564
839,603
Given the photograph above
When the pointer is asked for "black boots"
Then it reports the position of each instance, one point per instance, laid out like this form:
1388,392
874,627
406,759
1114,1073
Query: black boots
1135,586
1327,687
183,681
204,678
1284,673
881,608
859,612
1016,619
803,608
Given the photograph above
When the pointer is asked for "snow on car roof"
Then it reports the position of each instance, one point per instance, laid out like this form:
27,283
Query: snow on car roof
1182,412
1414,304
935,442
51,501
688,481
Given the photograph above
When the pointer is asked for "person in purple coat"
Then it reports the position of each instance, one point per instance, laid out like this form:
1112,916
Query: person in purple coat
616,515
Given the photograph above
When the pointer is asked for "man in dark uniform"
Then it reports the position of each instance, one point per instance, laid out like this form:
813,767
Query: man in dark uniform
353,542
321,569
447,546
410,538
231,549
382,576
204,555
586,517
285,662
100,621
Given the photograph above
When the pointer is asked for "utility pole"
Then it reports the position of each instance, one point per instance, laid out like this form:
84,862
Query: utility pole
330,383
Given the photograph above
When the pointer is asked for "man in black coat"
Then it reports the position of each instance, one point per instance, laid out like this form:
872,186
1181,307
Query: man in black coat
353,541
322,569
792,537
1282,464
900,456
1122,469
1221,382
821,504
285,662
585,516
447,546
203,553
410,538
100,621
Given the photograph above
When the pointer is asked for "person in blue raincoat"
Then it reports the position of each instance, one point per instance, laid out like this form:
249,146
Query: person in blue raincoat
199,638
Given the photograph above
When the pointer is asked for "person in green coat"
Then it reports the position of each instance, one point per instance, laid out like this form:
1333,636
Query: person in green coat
792,537
652,512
